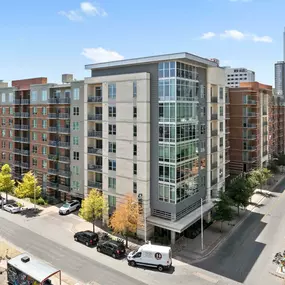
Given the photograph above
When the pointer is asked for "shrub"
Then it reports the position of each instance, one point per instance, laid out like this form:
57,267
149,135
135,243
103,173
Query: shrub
41,201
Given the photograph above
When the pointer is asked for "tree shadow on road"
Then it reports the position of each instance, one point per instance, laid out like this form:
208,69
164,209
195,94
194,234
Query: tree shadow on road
30,212
236,257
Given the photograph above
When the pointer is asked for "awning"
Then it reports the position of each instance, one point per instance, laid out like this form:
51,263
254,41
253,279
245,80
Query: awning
182,224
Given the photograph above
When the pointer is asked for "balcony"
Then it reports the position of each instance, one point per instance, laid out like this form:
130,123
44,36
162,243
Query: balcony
25,152
52,129
52,185
17,139
95,134
96,168
53,171
64,159
250,148
25,114
250,102
52,115
17,101
214,99
227,131
250,137
251,126
64,130
17,127
94,99
214,116
64,173
214,165
93,150
25,101
52,157
17,163
214,149
64,100
95,117
250,114
227,174
214,133
65,188
64,115
214,182
63,144
17,114
53,143
22,139
16,150
94,184
25,165
25,127
227,116
52,101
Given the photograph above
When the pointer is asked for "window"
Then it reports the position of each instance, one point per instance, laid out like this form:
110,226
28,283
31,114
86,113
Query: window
135,187
44,150
221,142
44,124
221,93
35,162
112,183
35,110
3,133
10,156
221,126
4,110
34,136
76,93
134,89
221,111
3,155
3,121
112,147
34,96
76,155
135,150
10,145
11,112
3,98
44,110
75,185
3,144
11,133
76,140
135,131
11,97
135,112
75,170
35,149
44,95
112,165
112,90
203,129
75,126
135,169
44,137
76,111
112,112
35,123
112,201
112,129
44,164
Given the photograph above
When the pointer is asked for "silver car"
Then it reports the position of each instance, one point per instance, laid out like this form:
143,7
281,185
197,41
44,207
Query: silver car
12,208
69,207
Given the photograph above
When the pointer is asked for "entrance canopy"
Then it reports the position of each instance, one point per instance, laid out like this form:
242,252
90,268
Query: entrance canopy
182,224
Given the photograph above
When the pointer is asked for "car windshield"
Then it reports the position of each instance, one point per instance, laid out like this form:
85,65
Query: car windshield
65,205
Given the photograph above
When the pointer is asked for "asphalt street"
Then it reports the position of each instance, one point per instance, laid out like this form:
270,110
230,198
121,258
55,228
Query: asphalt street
246,257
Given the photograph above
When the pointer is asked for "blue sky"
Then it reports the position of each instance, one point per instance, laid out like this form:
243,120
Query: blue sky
48,38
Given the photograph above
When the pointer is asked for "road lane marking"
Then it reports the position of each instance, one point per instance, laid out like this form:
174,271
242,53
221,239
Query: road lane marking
206,277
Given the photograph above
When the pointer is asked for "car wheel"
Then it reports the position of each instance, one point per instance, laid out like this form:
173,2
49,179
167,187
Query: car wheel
76,239
160,268
132,263
98,249
67,212
87,243
114,255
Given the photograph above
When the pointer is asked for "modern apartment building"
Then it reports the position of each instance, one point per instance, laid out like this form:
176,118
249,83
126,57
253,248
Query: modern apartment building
249,126
235,76
279,70
156,127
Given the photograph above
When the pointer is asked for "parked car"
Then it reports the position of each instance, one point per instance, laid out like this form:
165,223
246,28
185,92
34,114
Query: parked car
87,237
112,248
69,207
12,208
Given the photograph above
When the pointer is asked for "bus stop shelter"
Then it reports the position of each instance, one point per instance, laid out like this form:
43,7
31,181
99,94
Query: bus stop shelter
26,269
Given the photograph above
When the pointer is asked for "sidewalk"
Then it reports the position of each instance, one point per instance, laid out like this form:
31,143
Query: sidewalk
189,250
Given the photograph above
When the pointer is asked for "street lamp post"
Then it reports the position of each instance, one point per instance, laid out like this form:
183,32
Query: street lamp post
202,224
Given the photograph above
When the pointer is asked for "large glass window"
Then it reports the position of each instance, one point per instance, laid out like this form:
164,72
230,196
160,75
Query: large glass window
186,112
112,90
187,151
185,132
166,90
187,90
76,94
44,95
187,189
187,170
167,153
34,96
166,69
167,112
167,173
167,133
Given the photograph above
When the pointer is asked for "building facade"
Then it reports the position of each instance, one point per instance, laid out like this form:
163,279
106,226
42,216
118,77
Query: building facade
250,109
235,76
155,137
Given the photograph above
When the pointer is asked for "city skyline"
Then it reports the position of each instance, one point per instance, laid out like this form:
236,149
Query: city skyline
48,40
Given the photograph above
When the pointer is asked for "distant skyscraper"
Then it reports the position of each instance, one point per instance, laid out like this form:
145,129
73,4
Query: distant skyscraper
280,78
236,75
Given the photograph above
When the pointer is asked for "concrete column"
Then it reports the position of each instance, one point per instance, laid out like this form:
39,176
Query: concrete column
208,217
173,237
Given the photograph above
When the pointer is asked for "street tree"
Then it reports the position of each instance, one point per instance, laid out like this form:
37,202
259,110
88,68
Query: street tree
223,209
93,207
259,176
29,187
7,184
126,219
239,192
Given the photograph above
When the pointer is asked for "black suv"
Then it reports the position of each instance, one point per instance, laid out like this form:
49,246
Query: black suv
112,248
87,237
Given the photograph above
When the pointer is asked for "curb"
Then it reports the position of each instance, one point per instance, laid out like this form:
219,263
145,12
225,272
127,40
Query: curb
236,227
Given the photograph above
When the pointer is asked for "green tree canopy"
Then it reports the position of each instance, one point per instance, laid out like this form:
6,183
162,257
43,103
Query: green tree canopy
7,184
93,207
28,188
223,209
259,176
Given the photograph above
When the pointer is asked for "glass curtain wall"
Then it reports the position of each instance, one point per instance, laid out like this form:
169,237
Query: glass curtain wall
178,131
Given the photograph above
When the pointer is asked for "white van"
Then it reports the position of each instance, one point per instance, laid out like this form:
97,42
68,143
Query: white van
152,256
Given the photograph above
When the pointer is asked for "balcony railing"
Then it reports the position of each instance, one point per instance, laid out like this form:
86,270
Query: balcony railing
16,150
17,139
64,158
214,165
25,165
52,157
17,163
227,130
64,173
250,114
95,134
25,152
17,101
64,115
53,143
250,102
95,117
63,144
214,133
17,127
64,130
63,187
93,167
250,148
52,101
249,137
52,129
64,100
25,114
252,126
94,98
25,127
214,99
52,115
94,150
24,139
214,182
53,171
214,116
25,101
94,184
52,185
214,148
17,114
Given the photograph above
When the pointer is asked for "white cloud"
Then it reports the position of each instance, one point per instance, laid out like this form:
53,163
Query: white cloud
71,15
89,9
234,34
101,55
264,39
208,35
